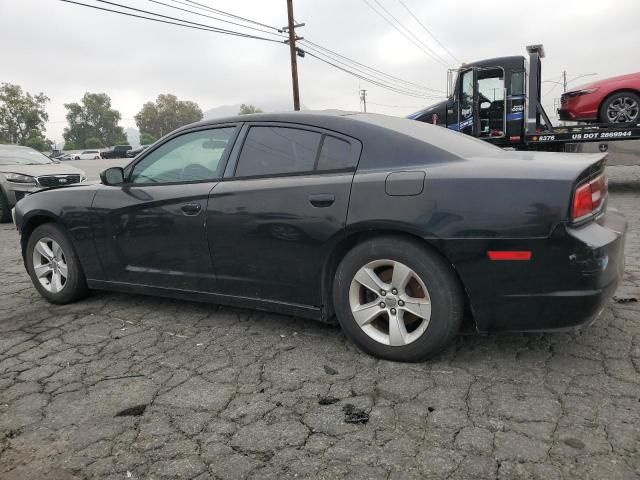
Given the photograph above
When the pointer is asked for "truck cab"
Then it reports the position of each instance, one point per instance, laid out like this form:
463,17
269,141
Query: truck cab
498,100
486,100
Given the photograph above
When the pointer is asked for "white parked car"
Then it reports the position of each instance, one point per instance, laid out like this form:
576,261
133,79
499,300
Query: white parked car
88,155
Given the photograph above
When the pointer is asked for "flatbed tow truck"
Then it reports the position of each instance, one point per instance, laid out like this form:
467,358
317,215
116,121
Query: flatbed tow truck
499,100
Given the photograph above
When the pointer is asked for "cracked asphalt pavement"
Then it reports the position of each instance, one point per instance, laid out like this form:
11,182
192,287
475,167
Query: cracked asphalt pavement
121,386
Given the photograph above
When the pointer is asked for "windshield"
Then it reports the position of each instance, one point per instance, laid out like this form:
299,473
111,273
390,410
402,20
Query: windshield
14,155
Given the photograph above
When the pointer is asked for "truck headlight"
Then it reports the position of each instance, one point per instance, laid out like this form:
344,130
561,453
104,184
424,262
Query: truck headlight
19,178
83,178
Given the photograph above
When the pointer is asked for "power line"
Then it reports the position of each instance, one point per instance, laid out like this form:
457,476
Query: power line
213,18
208,28
375,82
309,43
367,75
429,32
167,16
227,14
416,41
194,25
331,53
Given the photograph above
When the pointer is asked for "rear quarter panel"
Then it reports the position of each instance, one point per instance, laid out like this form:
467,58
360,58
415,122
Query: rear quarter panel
467,207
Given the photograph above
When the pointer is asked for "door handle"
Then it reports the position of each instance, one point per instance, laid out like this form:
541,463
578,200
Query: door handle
191,208
322,199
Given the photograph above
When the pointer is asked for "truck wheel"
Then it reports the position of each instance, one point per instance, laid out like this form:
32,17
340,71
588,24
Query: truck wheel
5,208
620,107
397,300
54,266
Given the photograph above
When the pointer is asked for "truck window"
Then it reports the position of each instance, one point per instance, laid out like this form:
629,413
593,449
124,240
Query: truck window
517,83
491,102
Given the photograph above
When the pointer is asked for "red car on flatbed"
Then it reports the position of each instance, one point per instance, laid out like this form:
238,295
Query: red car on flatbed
612,100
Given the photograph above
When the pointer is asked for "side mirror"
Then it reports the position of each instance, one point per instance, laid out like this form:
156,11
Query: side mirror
112,176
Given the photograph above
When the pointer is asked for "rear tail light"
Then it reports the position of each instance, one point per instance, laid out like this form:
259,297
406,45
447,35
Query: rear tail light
589,198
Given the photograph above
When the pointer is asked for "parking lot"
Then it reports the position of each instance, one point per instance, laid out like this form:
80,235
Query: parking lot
122,386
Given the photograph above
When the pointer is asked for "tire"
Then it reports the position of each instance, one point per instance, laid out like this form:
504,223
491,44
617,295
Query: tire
432,287
74,286
629,101
5,209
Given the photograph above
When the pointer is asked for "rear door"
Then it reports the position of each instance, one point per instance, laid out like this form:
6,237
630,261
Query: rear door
279,210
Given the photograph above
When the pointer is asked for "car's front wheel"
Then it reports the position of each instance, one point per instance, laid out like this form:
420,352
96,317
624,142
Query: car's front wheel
54,267
621,107
397,300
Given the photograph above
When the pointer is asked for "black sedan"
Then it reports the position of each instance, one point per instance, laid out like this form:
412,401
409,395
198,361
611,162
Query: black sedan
399,229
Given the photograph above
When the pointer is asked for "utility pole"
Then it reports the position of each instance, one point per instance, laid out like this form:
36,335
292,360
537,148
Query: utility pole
363,99
292,50
564,80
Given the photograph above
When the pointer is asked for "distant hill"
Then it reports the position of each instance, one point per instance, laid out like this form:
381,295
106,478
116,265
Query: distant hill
231,110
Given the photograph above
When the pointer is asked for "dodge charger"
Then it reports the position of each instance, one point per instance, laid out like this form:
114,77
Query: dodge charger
398,229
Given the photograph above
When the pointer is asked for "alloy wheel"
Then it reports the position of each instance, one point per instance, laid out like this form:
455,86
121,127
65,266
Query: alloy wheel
623,109
390,302
50,265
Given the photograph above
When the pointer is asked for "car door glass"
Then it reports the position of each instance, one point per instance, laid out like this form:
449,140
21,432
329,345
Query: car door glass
335,154
277,150
190,157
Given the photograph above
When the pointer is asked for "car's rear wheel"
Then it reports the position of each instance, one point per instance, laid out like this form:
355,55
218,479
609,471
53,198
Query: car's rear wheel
53,265
620,107
397,300
5,209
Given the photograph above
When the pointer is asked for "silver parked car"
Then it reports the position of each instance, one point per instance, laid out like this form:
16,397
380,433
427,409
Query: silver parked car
24,170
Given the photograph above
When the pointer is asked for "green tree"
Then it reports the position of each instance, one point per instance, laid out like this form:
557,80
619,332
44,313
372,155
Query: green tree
22,115
247,109
93,118
93,142
147,139
39,143
68,145
166,114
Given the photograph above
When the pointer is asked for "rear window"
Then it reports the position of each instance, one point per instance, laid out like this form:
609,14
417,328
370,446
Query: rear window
278,150
335,154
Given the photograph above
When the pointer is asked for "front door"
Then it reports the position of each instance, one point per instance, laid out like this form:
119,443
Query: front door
465,104
151,230
491,102
273,221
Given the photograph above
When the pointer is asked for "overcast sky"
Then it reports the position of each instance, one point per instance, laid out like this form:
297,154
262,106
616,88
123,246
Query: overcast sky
65,50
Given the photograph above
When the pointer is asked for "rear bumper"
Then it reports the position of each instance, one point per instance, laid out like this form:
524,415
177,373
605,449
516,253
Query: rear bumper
588,269
567,283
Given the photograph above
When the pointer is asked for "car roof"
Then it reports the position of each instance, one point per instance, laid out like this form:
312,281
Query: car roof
304,116
371,127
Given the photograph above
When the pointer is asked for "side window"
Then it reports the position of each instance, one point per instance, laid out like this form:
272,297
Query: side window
190,157
277,150
335,154
517,83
